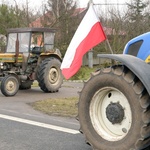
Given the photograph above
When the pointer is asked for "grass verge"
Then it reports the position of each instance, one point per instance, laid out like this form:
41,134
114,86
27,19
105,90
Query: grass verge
66,107
62,106
83,73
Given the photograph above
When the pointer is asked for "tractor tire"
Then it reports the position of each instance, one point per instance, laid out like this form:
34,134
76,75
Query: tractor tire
49,75
114,112
25,85
9,85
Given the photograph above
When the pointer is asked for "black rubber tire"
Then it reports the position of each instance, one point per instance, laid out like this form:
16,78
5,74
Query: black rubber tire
122,79
49,75
25,85
13,85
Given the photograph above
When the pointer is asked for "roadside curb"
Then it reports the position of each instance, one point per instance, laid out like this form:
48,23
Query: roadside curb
76,81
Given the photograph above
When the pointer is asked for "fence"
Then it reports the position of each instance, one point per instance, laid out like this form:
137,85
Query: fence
95,60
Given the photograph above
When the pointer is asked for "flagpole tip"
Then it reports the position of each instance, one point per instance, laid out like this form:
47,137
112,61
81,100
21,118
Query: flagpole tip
91,2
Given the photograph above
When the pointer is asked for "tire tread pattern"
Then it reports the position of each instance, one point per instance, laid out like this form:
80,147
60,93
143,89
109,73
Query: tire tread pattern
143,142
40,75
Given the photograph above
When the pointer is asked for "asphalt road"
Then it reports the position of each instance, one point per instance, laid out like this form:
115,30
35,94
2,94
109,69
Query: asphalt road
23,128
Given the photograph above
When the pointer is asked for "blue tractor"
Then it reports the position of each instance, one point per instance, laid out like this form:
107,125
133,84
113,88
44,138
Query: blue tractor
114,104
139,47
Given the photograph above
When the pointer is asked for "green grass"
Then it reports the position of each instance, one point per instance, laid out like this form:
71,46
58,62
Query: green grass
57,106
83,73
35,84
62,106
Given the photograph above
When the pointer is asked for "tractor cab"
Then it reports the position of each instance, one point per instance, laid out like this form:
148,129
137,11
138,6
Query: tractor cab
24,39
139,47
24,43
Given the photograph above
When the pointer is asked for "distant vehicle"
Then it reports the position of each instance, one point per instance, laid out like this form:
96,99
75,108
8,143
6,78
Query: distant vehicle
29,56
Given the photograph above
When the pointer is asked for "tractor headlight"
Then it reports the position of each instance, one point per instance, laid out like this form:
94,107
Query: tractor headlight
1,65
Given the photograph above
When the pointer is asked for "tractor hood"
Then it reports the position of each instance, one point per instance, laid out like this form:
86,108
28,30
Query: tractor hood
10,57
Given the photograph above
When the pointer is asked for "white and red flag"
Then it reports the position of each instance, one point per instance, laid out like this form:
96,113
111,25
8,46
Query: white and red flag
88,34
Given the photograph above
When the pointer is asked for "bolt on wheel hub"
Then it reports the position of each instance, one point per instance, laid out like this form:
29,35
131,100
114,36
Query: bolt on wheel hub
115,113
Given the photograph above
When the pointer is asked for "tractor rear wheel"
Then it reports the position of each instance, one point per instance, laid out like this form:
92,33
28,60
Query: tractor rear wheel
114,111
49,75
9,85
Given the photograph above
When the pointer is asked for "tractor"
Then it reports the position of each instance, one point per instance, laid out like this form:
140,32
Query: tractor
30,55
114,104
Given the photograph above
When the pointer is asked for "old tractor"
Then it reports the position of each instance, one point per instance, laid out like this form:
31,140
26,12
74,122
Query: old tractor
114,104
30,55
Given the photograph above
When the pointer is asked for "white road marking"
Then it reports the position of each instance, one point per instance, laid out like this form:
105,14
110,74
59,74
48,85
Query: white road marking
40,124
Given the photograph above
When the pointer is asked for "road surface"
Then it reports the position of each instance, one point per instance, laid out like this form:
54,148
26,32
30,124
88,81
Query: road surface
23,128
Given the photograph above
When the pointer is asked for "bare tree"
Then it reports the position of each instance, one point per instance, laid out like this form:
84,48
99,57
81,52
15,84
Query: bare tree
121,27
137,18
59,14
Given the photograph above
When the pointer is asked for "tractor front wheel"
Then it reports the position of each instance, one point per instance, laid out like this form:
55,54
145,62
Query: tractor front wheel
114,110
9,85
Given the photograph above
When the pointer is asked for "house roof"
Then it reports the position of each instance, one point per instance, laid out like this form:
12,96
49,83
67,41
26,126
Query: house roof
37,22
79,11
111,31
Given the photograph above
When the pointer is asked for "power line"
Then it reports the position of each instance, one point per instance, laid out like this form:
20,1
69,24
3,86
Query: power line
110,4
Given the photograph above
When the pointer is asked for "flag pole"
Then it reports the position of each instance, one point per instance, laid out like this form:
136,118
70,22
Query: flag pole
91,2
109,46
90,53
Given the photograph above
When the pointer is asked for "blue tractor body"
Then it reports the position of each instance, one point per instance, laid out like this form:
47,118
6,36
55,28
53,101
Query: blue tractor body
139,47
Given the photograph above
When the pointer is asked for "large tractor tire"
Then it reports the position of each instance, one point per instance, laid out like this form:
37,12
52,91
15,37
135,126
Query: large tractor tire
9,85
114,111
49,75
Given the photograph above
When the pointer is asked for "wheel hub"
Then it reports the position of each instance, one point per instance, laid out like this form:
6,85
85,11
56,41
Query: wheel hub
110,114
115,113
53,75
10,86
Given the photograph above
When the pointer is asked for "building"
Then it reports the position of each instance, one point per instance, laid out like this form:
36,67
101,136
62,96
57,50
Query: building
48,18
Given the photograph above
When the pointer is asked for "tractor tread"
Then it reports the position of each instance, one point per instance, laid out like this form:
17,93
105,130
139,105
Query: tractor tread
143,141
41,76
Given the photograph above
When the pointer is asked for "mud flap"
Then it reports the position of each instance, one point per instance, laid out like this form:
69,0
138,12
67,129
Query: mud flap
136,65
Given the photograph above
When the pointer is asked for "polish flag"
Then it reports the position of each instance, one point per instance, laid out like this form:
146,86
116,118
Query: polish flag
89,34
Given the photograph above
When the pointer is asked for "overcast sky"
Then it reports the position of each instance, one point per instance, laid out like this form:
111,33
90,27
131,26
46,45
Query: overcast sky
35,5
82,3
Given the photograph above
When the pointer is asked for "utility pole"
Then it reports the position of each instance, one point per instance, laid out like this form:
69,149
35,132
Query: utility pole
90,58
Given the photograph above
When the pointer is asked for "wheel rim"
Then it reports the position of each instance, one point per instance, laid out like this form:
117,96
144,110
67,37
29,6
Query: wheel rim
11,86
53,75
110,114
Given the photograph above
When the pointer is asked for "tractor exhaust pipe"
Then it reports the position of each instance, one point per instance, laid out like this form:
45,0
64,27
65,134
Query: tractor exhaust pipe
17,49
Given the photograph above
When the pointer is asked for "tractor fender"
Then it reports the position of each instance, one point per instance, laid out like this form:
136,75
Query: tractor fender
15,75
136,65
48,55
